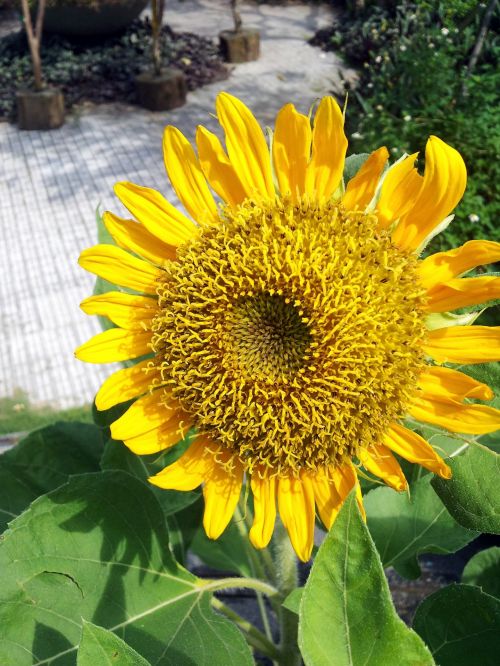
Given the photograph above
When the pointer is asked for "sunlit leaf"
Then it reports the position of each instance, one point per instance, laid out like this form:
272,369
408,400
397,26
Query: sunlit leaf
346,613
97,549
471,495
103,647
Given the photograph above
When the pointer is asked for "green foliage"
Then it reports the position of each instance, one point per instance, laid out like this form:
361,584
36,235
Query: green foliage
413,83
346,613
406,525
96,549
103,70
43,461
471,495
461,626
103,647
483,570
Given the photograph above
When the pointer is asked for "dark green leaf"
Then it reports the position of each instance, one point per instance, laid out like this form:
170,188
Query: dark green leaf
97,549
483,570
100,647
346,613
471,495
117,456
461,626
43,461
404,526
227,553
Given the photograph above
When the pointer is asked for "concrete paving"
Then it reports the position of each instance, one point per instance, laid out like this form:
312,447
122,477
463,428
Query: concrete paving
52,182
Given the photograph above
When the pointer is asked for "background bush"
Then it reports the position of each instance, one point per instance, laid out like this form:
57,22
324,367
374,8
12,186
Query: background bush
413,58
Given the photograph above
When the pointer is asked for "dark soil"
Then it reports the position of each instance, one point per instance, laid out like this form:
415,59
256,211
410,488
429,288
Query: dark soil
104,70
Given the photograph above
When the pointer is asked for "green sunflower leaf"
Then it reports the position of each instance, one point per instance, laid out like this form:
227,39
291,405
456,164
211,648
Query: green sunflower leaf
117,456
230,552
471,495
43,461
403,526
103,647
346,613
483,570
97,549
461,626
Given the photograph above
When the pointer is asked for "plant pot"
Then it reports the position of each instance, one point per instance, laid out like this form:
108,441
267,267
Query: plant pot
161,93
102,17
240,45
40,109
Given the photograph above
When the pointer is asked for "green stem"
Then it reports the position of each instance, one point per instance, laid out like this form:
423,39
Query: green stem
241,583
254,637
287,582
256,566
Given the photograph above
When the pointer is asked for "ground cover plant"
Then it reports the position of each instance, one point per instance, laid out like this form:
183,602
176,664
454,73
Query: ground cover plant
292,367
104,70
415,80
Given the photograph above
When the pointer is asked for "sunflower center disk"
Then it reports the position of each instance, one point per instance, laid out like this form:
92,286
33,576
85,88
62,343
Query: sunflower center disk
268,337
291,334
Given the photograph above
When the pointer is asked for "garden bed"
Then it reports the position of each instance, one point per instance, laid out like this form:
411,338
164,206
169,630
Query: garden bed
103,71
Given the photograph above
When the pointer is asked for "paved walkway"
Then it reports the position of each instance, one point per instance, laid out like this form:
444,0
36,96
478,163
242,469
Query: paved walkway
52,182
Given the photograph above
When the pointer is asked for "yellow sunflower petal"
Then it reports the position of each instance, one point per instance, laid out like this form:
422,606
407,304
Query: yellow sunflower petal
291,150
296,507
125,310
217,168
159,438
462,292
156,213
464,344
443,266
361,189
442,188
189,471
329,145
126,384
399,190
264,506
469,419
221,492
382,463
246,146
346,479
187,177
113,345
135,237
448,383
119,267
142,416
415,449
326,496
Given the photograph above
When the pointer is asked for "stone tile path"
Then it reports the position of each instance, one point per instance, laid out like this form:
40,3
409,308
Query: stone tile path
52,182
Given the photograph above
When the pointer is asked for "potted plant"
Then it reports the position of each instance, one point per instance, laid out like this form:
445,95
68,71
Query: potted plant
240,44
160,89
43,107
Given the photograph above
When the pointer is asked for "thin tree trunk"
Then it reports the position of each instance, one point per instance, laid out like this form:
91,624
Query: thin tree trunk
478,46
236,15
157,9
34,38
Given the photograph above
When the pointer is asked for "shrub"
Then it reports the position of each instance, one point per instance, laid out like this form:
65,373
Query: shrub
413,83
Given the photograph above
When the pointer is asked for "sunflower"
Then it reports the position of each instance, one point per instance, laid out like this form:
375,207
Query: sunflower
288,323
